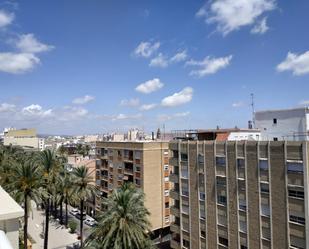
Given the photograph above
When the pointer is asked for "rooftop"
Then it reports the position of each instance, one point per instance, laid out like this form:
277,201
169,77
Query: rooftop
9,208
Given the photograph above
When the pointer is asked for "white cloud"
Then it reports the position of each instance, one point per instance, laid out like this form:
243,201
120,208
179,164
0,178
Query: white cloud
260,27
126,117
209,65
179,98
150,86
148,107
29,44
238,104
304,102
159,61
6,18
83,100
130,102
36,110
298,64
17,62
231,15
180,56
146,49
165,117
5,107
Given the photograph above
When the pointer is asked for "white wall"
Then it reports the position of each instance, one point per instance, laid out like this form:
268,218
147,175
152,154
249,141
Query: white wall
238,136
22,141
291,124
10,227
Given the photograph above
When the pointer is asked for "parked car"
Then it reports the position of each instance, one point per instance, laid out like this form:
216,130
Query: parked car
78,215
90,222
74,211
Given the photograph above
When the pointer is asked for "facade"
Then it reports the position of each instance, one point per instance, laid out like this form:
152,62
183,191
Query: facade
26,138
285,124
239,195
10,212
145,164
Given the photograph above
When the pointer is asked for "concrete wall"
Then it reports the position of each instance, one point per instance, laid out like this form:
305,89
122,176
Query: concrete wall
22,141
291,124
10,227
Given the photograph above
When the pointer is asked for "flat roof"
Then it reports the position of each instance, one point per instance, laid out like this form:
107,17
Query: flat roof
9,208
304,108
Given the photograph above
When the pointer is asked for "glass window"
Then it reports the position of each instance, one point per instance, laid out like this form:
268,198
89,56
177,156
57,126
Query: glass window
240,163
166,192
221,199
200,158
295,167
166,167
184,157
220,161
296,219
296,193
263,164
264,188
202,196
223,241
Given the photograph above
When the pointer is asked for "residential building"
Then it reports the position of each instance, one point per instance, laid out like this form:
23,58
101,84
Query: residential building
10,213
230,134
239,195
146,165
285,124
26,138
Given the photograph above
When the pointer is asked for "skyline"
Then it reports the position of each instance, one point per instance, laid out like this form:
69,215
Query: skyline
99,67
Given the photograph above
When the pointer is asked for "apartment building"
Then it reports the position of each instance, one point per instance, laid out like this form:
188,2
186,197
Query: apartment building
145,164
284,124
239,194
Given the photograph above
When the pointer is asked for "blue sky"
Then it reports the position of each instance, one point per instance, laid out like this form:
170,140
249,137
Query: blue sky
73,67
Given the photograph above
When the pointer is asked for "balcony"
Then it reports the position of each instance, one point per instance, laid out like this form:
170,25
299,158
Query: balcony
174,195
175,228
174,178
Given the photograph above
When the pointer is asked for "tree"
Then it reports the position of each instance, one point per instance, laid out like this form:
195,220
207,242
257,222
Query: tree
26,187
50,167
83,190
124,225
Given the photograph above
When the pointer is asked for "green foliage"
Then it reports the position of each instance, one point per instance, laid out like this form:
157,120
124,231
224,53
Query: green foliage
125,223
72,226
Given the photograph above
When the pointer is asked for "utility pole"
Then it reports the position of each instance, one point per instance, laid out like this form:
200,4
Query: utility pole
253,109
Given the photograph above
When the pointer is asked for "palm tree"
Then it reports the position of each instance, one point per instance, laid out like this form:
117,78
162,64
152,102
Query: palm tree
124,225
25,187
83,190
50,166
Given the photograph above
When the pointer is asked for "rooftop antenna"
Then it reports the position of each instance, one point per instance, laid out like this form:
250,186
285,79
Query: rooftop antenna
253,109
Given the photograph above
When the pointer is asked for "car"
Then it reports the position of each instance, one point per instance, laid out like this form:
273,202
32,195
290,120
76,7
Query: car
74,211
90,222
78,215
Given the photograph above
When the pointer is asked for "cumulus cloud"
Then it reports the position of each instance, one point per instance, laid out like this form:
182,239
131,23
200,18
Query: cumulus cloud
179,98
83,100
297,63
180,56
238,104
146,49
150,86
36,110
231,15
130,102
166,117
6,18
260,27
28,43
159,61
148,107
5,107
17,63
209,65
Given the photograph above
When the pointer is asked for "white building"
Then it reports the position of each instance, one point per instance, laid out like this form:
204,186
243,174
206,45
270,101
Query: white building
10,212
285,124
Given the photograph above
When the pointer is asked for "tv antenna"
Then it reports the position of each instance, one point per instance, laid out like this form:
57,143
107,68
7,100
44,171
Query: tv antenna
253,109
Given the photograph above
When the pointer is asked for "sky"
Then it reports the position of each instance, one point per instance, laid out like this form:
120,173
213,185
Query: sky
84,67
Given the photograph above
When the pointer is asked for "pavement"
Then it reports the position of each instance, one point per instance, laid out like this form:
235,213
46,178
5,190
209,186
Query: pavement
59,236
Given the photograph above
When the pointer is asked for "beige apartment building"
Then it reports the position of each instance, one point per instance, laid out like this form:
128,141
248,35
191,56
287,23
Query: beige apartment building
239,195
145,164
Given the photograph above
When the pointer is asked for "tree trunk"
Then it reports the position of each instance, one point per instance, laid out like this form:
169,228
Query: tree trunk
81,221
66,212
46,224
26,222
61,214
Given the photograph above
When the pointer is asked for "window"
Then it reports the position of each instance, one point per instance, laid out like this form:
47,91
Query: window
296,219
137,168
138,182
263,164
202,196
175,154
166,179
240,164
167,204
167,219
264,188
274,121
203,234
295,167
166,192
184,157
223,241
165,152
221,199
200,158
166,167
185,243
296,193
220,161
221,182
275,139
